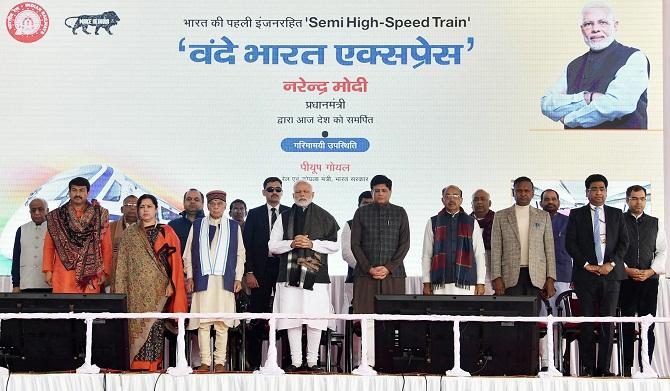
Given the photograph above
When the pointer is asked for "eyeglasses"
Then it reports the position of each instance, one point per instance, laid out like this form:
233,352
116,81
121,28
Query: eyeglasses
273,189
452,196
130,205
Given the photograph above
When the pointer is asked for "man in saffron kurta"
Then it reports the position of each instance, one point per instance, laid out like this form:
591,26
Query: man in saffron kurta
77,254
214,265
454,261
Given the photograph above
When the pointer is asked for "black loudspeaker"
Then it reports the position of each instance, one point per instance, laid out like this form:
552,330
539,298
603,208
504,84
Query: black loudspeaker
43,345
491,348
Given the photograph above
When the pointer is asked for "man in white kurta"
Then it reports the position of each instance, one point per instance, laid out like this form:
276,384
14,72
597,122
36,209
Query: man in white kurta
453,259
27,273
213,273
303,235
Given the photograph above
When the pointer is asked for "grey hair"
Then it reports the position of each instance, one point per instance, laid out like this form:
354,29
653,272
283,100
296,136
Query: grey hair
44,203
295,185
452,187
598,4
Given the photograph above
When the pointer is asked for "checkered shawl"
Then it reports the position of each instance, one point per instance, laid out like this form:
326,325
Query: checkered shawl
380,236
452,250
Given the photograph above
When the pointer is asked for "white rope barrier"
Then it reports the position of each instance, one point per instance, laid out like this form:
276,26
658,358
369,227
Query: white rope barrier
271,367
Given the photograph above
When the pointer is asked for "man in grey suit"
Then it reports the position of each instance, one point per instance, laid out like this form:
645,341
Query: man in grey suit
523,262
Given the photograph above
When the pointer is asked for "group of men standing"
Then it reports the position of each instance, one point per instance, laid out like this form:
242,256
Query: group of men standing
610,258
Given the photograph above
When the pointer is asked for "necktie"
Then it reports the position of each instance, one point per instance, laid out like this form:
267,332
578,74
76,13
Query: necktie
273,218
596,235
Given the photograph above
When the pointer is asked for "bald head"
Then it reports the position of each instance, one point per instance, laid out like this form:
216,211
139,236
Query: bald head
129,209
481,203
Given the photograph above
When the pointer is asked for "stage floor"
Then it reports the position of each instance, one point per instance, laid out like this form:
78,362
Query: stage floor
248,381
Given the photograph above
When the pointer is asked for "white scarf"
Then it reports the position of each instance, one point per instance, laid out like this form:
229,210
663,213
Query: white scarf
213,258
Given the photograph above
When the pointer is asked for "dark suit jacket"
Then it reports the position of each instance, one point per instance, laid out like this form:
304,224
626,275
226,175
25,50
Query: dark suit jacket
581,247
256,236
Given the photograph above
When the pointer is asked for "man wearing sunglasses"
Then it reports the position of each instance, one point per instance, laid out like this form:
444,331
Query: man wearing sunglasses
261,267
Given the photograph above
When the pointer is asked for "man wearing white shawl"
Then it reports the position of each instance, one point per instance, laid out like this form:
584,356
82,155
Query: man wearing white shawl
214,263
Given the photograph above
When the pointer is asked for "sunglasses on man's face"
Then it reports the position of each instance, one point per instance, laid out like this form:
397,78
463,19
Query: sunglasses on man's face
273,189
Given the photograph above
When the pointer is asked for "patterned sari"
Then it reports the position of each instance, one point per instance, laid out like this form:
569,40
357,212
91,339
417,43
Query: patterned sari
149,260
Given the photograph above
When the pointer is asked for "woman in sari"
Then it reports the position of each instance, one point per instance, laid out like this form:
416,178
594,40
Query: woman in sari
149,271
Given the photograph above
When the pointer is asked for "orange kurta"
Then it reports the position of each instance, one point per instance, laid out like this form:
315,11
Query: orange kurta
62,280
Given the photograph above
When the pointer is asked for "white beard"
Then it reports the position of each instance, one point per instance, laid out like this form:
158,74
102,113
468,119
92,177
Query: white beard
303,204
599,45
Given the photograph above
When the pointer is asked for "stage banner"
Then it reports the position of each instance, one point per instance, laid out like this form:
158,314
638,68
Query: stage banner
159,97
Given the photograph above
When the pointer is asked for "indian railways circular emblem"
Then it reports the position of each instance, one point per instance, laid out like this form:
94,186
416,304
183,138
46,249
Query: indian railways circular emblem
27,22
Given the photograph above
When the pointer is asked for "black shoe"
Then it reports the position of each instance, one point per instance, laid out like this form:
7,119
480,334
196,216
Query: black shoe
544,369
588,372
314,368
252,369
603,373
291,368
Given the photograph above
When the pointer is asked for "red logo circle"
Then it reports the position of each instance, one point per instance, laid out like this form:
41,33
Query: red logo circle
27,22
